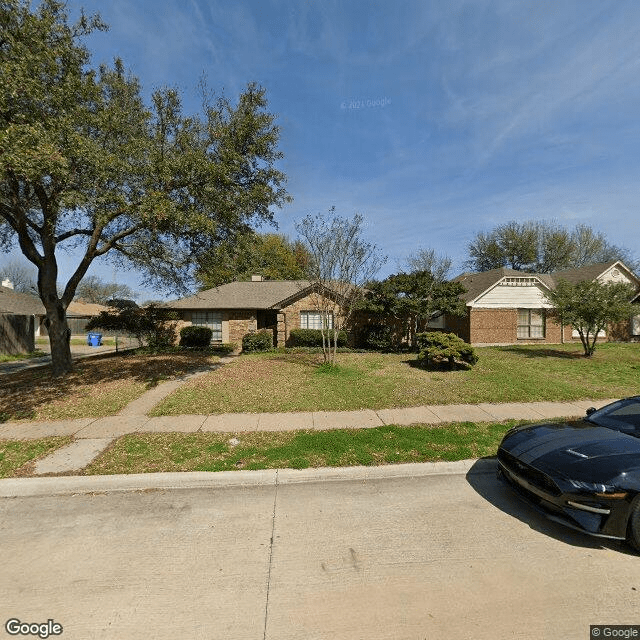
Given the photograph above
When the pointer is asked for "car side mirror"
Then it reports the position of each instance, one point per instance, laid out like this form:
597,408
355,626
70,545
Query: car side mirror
591,410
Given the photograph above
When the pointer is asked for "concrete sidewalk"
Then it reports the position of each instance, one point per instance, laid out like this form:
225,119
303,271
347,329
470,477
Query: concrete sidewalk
92,436
116,426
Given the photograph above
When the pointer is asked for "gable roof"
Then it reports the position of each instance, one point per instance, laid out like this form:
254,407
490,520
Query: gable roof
265,294
590,272
26,304
480,283
80,308
22,304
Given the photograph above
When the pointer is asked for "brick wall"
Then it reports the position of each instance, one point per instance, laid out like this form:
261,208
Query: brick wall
239,323
289,317
235,324
500,326
493,326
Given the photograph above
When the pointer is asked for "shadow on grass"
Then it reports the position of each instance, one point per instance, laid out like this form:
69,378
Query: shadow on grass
438,366
537,352
24,392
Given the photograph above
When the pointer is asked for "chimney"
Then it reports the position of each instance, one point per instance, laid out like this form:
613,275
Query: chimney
7,283
256,278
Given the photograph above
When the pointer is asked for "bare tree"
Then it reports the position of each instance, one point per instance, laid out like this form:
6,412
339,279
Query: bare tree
428,260
342,262
21,276
93,289
543,247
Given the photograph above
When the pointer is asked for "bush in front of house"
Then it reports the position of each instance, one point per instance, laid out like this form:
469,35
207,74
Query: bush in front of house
195,337
258,341
379,337
313,337
437,347
153,325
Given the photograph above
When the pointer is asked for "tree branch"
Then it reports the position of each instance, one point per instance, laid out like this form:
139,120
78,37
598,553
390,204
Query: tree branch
112,243
73,232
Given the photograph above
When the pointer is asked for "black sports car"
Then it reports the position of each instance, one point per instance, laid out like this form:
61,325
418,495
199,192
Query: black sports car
585,474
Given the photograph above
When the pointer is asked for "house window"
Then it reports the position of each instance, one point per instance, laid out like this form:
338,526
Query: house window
530,323
211,320
635,325
313,320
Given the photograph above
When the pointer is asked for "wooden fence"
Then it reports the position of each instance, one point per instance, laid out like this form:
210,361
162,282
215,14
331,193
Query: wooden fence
17,334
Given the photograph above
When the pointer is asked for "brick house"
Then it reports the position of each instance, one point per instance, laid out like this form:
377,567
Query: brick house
505,306
237,308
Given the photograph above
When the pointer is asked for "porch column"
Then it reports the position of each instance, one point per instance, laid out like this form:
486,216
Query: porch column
282,330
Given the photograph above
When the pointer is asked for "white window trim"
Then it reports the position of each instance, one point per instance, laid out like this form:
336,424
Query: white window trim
210,319
528,326
317,315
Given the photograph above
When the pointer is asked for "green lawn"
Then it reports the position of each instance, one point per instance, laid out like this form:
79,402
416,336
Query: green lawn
21,356
14,454
153,453
298,382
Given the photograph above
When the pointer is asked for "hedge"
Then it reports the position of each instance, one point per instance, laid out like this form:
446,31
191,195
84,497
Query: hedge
313,337
259,341
195,336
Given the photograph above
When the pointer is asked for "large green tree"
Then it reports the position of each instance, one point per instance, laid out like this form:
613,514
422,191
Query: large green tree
411,300
590,306
542,247
270,255
86,165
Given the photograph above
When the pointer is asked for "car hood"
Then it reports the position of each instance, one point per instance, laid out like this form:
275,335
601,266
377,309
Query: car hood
574,449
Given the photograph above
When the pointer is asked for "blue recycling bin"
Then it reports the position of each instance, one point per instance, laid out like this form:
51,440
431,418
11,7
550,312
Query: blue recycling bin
94,339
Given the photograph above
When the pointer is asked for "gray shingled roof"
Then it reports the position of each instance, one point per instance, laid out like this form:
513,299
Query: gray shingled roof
266,294
590,272
26,304
478,283
23,304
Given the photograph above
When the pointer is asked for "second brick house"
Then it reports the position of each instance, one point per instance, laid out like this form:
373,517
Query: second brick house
505,306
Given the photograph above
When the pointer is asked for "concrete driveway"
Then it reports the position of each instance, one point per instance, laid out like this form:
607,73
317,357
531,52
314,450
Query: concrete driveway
413,552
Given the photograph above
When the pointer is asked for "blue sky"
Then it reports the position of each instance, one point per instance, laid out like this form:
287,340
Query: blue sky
434,120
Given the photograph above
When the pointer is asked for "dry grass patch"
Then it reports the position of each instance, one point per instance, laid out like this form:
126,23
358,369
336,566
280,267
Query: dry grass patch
97,387
299,382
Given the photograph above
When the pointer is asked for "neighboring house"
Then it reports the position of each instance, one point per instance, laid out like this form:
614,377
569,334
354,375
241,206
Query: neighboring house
18,314
25,304
505,306
235,309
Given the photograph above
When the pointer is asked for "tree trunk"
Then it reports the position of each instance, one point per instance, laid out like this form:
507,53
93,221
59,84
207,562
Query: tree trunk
59,339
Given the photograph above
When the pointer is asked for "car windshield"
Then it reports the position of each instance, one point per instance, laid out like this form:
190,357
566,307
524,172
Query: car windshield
623,415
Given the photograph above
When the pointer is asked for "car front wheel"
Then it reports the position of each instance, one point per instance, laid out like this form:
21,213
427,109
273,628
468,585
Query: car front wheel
634,525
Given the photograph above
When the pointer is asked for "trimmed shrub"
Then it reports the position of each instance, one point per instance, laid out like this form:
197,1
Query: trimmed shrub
313,337
195,336
153,325
379,337
259,341
437,347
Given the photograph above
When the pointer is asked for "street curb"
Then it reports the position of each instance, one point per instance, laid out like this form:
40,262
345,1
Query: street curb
81,485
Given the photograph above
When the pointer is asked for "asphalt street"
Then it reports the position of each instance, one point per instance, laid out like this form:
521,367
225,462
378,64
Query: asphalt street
409,552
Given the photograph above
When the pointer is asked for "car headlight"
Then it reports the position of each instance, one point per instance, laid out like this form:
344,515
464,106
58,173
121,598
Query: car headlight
599,489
